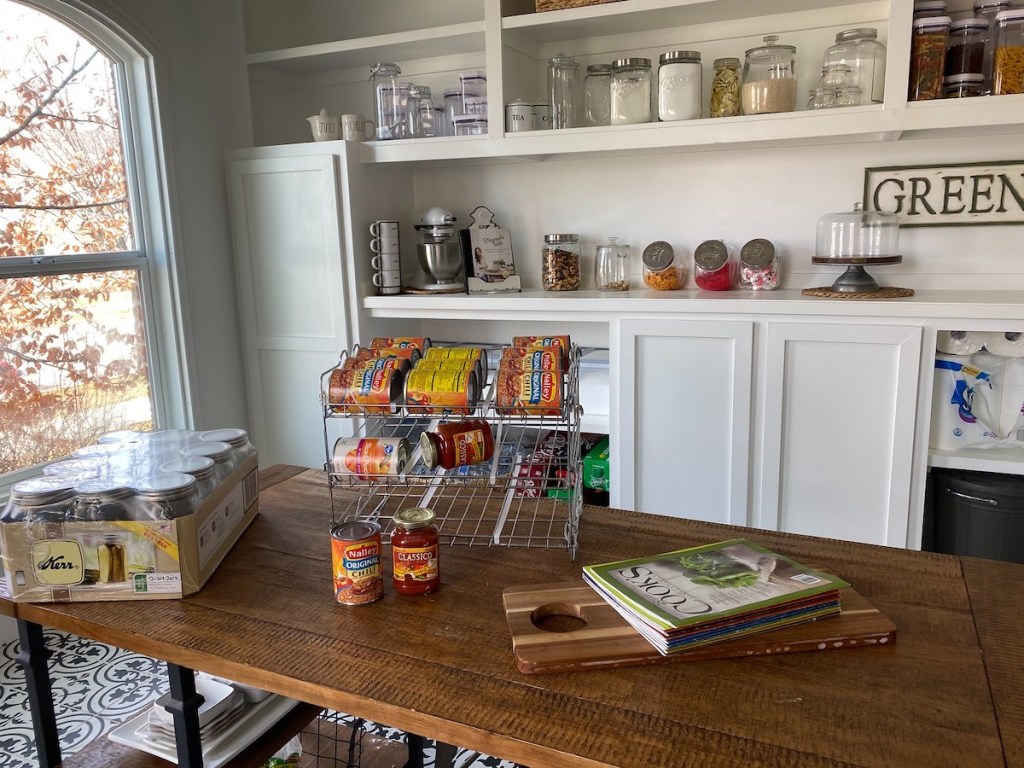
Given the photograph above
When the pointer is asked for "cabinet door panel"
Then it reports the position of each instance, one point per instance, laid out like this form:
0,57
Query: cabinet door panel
681,418
838,413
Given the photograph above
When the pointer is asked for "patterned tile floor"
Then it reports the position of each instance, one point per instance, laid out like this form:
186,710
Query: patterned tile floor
96,687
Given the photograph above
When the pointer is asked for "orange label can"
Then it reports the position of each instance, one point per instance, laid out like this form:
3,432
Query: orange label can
529,392
355,553
441,390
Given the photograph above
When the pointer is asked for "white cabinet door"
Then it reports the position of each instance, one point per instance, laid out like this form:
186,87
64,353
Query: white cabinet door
288,253
837,430
680,417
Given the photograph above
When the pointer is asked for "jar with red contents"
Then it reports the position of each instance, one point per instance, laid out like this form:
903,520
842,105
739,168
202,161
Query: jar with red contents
458,444
715,269
415,556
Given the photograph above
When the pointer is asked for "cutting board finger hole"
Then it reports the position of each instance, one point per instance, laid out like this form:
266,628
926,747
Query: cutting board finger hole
559,617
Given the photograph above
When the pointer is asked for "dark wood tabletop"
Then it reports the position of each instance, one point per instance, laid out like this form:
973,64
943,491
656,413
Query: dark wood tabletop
949,692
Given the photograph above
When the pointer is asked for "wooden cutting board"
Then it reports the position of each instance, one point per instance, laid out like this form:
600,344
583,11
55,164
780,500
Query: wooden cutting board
567,627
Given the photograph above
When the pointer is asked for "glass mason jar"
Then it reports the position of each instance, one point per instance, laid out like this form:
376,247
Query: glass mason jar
220,452
200,467
680,78
714,266
38,500
564,91
597,95
561,263
864,54
388,106
963,86
927,57
769,78
1008,63
99,500
166,496
611,266
965,49
631,91
821,98
848,96
836,75
419,112
662,270
759,265
988,10
725,88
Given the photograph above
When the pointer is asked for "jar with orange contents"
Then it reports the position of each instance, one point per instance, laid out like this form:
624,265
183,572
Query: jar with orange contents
662,271
415,556
458,444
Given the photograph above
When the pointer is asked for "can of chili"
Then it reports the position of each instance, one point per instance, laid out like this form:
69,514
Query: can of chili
372,390
561,342
529,392
429,391
369,457
415,556
422,343
379,363
460,353
531,358
355,553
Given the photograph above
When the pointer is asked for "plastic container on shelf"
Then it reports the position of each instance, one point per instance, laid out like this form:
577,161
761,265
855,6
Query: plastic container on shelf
564,91
725,88
963,86
987,10
631,91
1008,62
680,77
928,41
928,8
860,50
473,85
470,125
611,266
769,78
965,49
597,95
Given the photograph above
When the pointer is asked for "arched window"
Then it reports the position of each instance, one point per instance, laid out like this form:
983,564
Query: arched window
87,341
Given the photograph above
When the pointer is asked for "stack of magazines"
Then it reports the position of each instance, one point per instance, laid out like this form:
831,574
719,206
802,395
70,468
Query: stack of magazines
714,593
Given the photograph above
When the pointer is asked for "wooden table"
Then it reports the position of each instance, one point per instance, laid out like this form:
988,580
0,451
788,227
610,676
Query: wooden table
950,692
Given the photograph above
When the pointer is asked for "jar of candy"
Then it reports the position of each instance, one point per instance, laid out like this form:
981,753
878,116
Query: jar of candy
928,57
597,95
631,91
662,271
561,262
725,88
759,265
714,266
611,266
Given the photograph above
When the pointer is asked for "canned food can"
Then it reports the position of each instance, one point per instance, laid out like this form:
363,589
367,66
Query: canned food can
562,342
422,343
461,353
378,363
438,364
444,390
531,358
355,553
369,457
533,393
364,390
412,354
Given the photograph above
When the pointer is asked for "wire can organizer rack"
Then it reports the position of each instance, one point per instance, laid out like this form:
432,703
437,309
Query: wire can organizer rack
528,494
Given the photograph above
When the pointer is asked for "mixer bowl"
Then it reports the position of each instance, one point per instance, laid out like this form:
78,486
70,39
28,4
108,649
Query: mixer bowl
441,261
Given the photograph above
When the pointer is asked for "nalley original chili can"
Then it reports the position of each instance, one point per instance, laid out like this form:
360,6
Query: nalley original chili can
355,553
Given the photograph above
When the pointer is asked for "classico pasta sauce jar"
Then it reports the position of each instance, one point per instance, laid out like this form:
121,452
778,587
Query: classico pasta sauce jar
416,565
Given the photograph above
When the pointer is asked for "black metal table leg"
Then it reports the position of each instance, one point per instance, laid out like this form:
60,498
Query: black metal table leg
444,755
33,657
184,707
415,744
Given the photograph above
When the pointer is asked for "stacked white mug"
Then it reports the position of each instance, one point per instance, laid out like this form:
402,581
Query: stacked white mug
386,259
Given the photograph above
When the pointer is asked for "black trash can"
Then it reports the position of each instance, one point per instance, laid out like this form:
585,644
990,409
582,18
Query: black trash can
979,514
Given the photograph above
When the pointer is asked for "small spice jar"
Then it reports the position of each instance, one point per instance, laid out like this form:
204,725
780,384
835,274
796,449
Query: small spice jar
561,263
662,271
631,91
759,265
1008,64
457,444
679,85
714,267
928,57
611,266
963,86
725,88
415,555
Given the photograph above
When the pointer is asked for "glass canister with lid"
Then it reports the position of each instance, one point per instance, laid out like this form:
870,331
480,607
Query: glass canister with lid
1008,63
419,113
597,95
99,500
166,496
680,76
561,262
769,78
39,500
714,266
563,92
725,88
928,40
631,91
965,49
611,266
759,265
662,270
861,50
388,101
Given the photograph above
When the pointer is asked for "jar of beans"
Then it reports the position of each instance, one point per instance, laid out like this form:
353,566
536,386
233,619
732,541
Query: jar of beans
715,268
759,265
928,57
662,270
561,262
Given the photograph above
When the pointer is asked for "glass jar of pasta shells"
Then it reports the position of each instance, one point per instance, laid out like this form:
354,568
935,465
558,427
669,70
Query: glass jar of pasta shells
725,88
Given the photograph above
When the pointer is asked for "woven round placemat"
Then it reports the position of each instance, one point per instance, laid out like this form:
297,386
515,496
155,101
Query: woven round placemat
881,293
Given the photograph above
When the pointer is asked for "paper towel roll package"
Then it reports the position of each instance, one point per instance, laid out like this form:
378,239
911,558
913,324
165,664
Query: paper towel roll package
954,398
960,342
1006,344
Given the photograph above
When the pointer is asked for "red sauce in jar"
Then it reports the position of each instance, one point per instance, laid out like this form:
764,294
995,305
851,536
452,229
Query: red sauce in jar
415,557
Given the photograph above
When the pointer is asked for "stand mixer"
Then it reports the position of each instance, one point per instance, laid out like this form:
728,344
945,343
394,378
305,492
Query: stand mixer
439,254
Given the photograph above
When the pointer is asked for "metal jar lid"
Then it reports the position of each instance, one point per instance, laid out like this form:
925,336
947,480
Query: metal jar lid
166,485
599,69
234,437
631,63
555,239
658,256
728,61
711,255
428,450
679,57
42,490
758,253
414,517
200,467
103,490
216,450
355,530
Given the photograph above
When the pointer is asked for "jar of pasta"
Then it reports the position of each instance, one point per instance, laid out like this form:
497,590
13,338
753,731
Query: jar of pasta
928,57
662,271
1008,65
725,88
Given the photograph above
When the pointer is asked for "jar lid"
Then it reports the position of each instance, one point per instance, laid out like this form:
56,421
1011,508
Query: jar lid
984,5
561,60
771,47
466,119
474,74
658,256
635,62
1016,13
711,255
212,449
451,92
166,484
929,5
103,488
414,517
419,92
673,57
198,466
429,451
966,77
930,22
856,34
231,435
40,488
92,465
599,69
757,253
561,238
519,102
968,24
355,530
727,61
385,68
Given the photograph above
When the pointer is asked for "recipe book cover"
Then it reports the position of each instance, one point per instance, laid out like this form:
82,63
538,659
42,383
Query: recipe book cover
714,584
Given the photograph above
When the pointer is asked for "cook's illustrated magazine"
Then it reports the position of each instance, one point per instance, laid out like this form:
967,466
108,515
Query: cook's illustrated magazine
714,592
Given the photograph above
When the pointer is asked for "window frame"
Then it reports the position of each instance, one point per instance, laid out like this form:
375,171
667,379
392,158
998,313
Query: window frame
152,218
